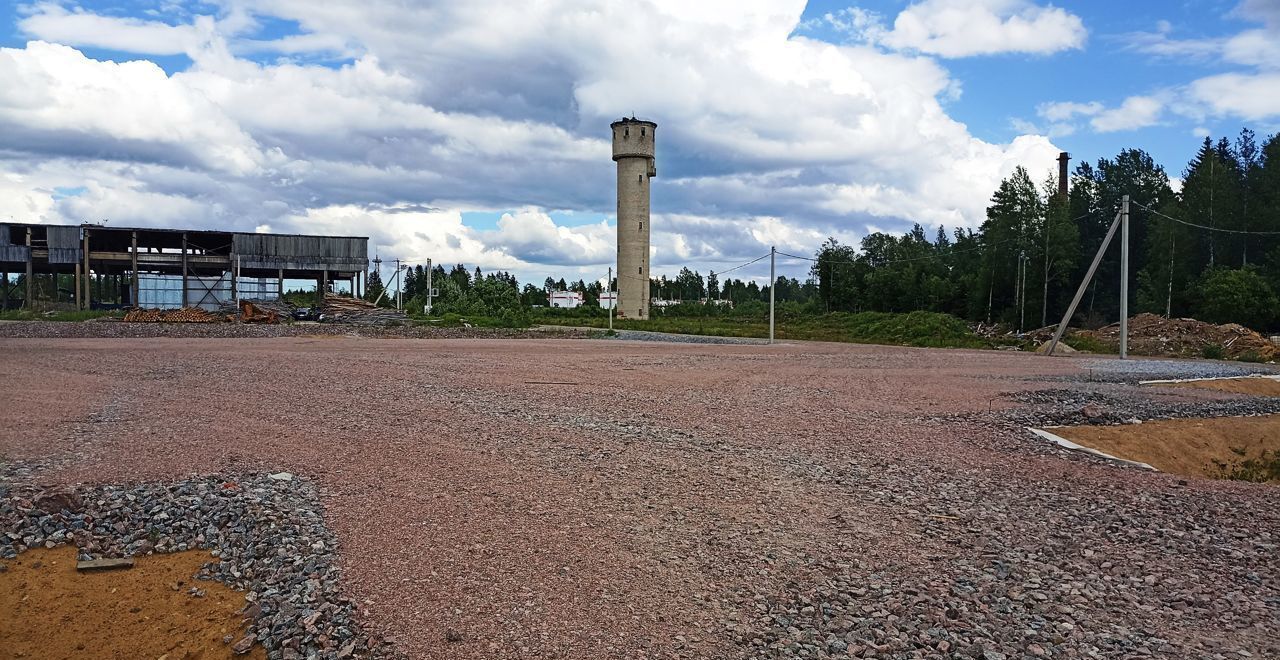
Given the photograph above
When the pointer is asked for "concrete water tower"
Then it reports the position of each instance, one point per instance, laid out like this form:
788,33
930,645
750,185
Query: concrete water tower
633,151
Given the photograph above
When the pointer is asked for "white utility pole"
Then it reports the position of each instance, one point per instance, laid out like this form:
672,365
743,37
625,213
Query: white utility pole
773,281
608,287
399,298
1124,277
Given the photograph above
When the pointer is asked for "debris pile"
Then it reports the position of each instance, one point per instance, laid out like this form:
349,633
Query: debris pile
254,313
1150,334
184,315
341,309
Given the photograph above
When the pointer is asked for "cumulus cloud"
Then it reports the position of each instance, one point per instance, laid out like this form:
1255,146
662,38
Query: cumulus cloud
54,100
448,107
1135,112
965,28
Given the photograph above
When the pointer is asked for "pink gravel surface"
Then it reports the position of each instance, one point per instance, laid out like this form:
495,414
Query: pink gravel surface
589,499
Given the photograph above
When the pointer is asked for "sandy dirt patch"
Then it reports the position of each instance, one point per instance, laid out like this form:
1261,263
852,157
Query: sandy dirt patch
1193,447
1250,386
53,611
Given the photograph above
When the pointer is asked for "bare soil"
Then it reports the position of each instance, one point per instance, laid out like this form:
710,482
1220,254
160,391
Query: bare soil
49,610
1250,386
1195,447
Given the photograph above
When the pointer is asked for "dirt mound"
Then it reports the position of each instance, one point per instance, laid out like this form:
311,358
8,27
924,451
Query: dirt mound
153,610
1150,334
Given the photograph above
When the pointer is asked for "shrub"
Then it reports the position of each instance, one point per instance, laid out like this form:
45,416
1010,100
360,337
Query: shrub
1236,296
1213,351
1262,469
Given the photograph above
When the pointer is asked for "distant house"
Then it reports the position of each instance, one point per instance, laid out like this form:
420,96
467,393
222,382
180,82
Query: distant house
566,299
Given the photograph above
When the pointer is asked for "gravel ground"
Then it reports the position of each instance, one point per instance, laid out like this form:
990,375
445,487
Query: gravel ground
111,329
587,499
645,335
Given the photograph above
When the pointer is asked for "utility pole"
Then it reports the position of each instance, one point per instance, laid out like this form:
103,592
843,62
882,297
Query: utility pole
608,287
1084,285
1124,277
430,292
773,281
399,298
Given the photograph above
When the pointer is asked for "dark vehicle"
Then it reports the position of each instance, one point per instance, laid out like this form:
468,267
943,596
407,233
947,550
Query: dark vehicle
303,314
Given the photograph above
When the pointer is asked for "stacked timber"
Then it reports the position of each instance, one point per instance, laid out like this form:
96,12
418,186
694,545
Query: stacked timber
184,315
341,309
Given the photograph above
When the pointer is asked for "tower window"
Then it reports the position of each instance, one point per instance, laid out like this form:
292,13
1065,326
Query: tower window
640,178
626,132
640,270
641,227
642,132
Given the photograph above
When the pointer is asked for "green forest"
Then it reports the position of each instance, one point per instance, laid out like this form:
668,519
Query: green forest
1209,250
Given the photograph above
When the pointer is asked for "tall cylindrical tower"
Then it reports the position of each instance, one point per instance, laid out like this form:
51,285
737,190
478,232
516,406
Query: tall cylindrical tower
633,150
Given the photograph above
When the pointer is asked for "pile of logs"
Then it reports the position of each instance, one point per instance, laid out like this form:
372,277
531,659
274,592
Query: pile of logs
184,315
341,309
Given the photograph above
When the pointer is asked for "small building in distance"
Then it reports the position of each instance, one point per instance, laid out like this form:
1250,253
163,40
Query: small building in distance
566,299
608,299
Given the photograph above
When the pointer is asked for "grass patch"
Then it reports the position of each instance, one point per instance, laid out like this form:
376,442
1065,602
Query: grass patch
1263,469
1087,344
1213,351
925,329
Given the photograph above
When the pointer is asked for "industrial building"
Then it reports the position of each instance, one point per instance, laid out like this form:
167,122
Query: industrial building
633,150
169,268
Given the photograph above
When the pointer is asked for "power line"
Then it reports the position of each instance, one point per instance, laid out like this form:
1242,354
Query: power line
899,261
718,273
1207,228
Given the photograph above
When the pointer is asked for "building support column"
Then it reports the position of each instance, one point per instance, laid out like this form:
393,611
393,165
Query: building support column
79,299
280,284
88,283
4,293
184,269
26,302
135,285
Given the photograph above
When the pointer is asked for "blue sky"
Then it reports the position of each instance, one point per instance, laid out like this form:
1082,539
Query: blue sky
1000,89
476,130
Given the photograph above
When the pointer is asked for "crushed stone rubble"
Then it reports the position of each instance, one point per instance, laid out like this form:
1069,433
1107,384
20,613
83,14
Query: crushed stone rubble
1115,574
264,534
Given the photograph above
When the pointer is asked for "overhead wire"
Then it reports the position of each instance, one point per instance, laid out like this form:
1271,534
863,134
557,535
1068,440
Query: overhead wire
1205,227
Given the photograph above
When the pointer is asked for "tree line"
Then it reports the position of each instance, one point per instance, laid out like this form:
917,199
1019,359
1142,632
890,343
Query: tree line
1020,267
1023,264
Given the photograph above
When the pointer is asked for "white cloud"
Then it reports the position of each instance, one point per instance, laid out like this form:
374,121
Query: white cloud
964,28
54,99
1251,93
1252,97
51,22
1135,112
485,105
1065,111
